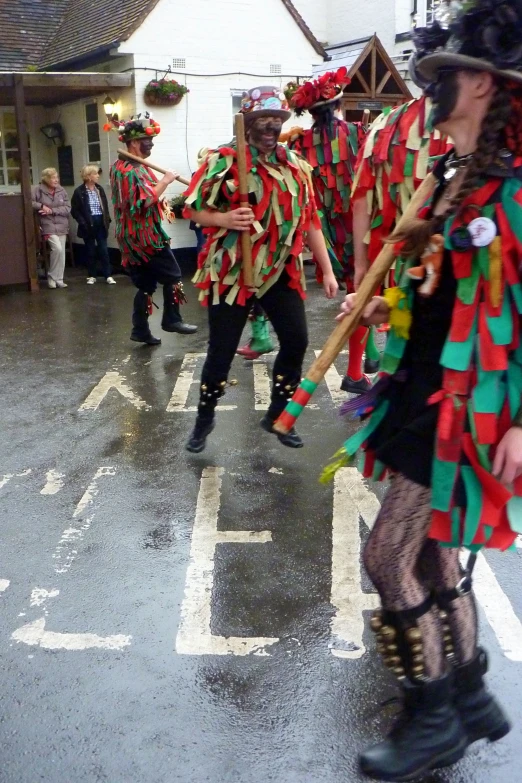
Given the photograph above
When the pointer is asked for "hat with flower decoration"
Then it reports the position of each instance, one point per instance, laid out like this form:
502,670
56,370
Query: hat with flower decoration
482,35
265,102
139,127
327,88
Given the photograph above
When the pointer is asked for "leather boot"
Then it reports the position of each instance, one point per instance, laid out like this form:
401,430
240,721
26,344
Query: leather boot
481,715
209,395
172,320
428,734
140,321
282,392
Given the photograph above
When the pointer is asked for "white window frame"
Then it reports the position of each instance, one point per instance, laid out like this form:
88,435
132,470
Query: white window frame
86,125
423,9
6,188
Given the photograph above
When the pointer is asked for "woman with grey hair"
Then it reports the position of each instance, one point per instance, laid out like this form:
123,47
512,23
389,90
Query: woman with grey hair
51,202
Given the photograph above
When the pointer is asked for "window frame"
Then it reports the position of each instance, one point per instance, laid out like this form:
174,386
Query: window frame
5,187
95,123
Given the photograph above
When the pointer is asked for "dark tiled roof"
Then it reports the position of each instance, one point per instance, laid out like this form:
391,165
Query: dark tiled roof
92,25
25,28
54,33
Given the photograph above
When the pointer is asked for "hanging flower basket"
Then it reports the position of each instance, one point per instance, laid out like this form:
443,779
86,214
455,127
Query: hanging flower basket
164,92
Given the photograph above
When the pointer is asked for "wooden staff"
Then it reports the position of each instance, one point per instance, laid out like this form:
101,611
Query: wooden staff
246,242
124,154
345,328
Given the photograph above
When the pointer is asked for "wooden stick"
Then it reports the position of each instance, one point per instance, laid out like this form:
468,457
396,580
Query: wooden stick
124,154
246,242
345,328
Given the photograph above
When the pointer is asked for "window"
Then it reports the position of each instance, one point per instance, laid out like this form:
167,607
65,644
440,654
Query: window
10,171
93,133
430,11
423,12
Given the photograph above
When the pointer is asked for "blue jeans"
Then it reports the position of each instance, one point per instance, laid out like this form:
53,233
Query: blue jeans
98,238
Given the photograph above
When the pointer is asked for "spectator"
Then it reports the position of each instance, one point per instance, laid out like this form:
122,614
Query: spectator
51,202
91,211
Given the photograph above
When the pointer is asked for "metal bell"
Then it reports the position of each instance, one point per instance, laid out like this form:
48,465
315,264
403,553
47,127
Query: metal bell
389,633
413,635
376,623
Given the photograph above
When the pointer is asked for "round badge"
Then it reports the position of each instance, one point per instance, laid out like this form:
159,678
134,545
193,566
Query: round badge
256,94
483,231
282,96
272,103
461,240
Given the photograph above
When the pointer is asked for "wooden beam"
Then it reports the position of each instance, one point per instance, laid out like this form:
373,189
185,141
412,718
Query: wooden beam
25,169
364,83
374,72
71,81
384,82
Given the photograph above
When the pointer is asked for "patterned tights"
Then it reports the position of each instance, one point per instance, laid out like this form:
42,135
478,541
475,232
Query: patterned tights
405,566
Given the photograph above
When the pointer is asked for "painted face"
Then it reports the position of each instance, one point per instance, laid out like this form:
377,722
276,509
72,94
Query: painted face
146,146
445,95
264,133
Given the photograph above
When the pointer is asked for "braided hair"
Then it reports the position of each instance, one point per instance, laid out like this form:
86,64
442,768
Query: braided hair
504,117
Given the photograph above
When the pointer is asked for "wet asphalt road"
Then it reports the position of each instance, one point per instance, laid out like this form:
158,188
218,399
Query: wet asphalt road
102,558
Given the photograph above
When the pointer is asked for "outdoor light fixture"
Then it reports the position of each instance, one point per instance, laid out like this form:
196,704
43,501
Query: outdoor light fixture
109,107
53,131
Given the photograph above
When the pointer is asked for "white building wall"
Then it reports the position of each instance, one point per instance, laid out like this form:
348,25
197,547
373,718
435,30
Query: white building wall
228,47
316,14
349,20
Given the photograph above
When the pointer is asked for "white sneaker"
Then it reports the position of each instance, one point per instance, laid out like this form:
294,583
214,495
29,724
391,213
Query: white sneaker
91,280
51,283
111,281
61,284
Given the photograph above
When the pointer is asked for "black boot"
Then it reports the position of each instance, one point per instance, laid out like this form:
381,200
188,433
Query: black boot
140,321
172,320
282,392
429,734
481,716
209,395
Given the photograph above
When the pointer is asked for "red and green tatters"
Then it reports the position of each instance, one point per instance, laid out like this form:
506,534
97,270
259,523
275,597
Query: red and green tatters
482,382
398,153
137,212
332,153
281,197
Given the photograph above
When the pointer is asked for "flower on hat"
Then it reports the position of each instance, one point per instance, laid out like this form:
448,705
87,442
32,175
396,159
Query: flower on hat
325,88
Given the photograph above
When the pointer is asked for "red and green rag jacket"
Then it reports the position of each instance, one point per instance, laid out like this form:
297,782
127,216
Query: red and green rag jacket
137,212
282,199
398,153
332,152
481,392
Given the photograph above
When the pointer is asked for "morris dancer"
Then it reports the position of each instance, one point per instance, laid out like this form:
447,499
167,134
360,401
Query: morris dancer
447,423
398,152
144,245
331,146
282,215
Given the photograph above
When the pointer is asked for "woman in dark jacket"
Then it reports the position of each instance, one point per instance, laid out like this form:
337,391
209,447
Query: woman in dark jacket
90,209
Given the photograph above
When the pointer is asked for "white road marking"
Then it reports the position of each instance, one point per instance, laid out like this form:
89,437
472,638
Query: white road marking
54,483
261,385
194,634
333,381
34,634
347,597
4,584
8,476
40,596
277,471
180,395
112,380
64,553
497,608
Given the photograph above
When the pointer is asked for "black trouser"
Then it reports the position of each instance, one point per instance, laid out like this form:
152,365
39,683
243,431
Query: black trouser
162,269
285,309
98,237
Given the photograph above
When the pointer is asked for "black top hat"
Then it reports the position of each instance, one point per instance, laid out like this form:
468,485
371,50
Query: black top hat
482,35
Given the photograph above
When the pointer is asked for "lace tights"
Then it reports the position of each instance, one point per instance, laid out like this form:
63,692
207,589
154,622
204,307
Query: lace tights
405,566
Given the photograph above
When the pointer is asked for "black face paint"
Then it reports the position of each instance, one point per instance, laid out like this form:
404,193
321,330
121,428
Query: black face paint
146,146
264,133
444,94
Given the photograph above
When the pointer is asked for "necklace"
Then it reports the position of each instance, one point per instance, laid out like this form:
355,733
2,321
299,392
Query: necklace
454,164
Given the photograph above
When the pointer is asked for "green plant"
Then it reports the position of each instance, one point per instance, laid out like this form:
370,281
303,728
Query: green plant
166,88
